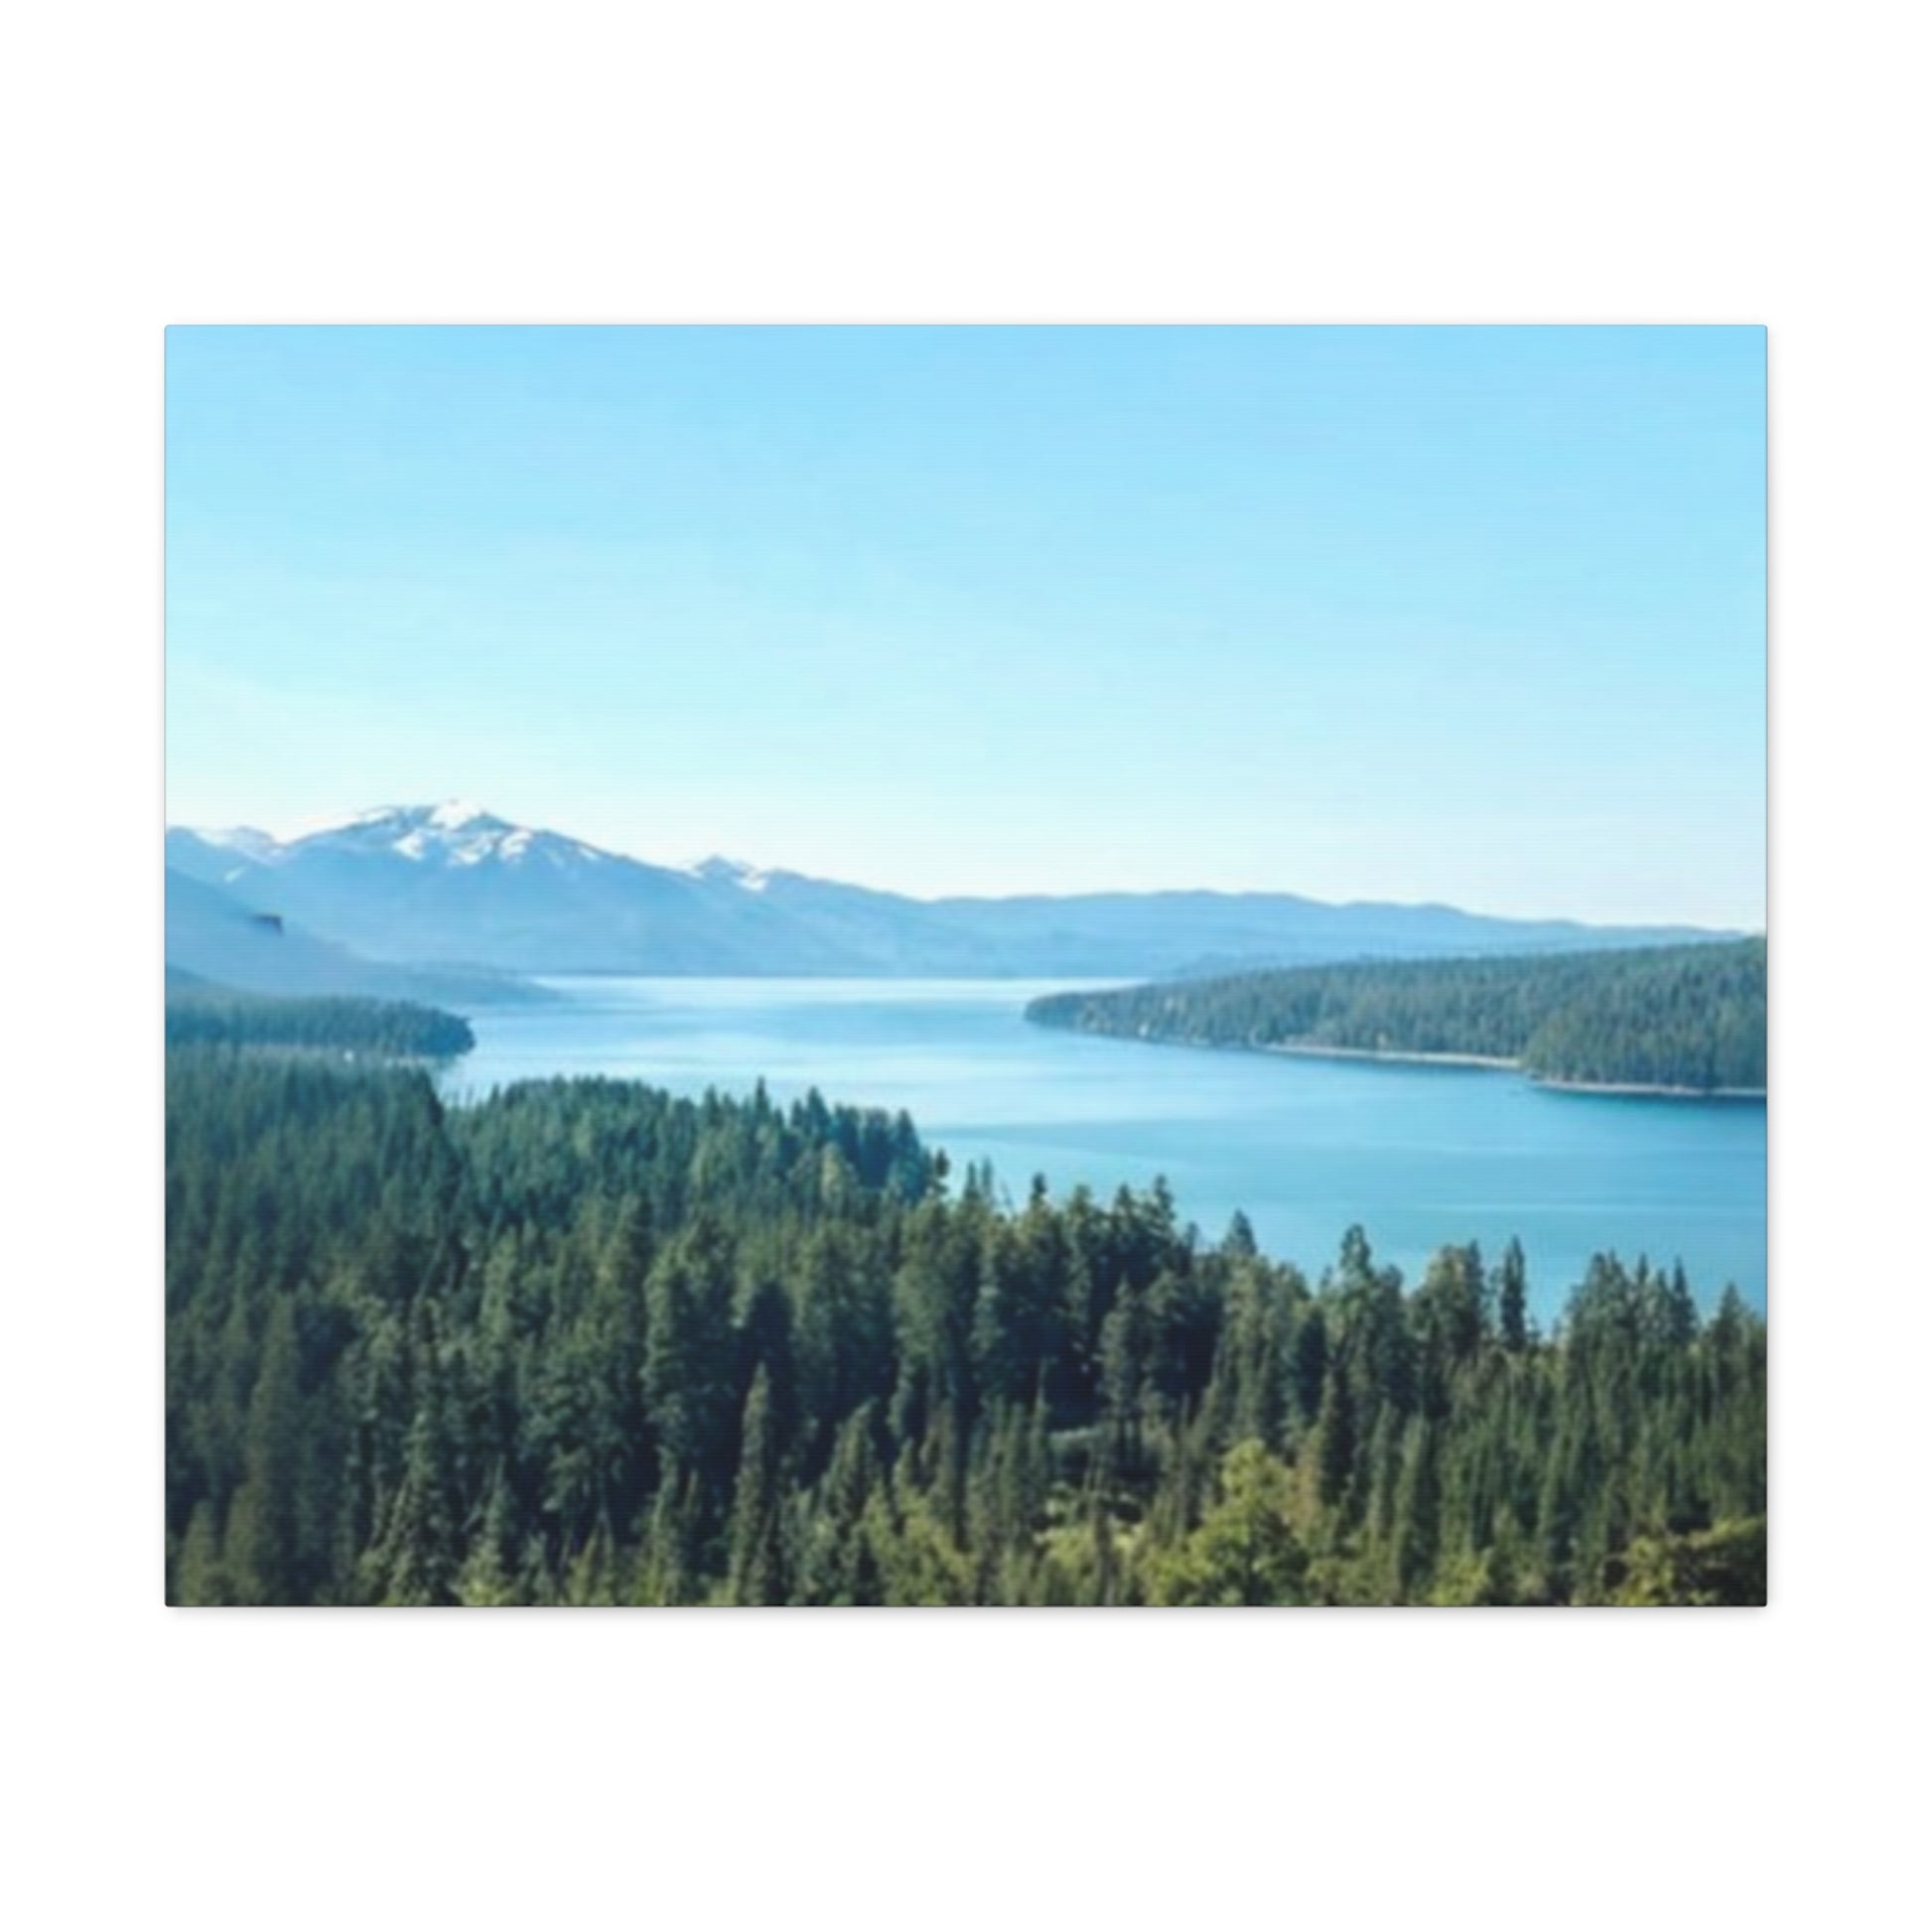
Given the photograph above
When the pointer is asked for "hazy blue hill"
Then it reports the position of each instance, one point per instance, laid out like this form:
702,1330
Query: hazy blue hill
1163,934
431,883
218,938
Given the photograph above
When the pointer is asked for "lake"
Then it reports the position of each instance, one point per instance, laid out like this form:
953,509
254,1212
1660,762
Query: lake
1419,1155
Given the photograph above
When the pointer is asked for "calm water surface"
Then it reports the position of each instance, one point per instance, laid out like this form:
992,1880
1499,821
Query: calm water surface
1418,1156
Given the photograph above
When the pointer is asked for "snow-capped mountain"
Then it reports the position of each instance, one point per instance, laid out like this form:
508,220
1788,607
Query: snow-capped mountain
454,881
732,872
245,844
451,834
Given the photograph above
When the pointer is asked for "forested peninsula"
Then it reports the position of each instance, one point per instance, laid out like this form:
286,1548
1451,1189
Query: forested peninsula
583,1342
1668,1019
201,1014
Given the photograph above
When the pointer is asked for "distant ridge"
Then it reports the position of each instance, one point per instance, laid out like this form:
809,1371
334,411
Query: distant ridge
408,883
218,939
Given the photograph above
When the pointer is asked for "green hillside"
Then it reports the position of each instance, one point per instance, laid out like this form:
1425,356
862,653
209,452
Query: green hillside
1689,1017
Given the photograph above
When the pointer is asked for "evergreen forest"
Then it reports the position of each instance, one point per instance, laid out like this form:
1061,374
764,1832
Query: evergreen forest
205,1015
586,1343
1689,1017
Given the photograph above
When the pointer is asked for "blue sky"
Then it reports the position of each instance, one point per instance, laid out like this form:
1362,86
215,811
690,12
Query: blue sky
1465,614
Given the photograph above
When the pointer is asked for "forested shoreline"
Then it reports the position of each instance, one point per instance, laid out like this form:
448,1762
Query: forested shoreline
584,1342
1672,1019
201,1014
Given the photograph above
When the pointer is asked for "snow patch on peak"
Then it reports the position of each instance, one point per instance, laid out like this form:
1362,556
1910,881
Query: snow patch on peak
451,815
243,839
451,834
454,831
719,871
454,813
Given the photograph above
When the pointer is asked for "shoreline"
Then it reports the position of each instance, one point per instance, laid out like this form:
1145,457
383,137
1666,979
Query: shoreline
1490,1062
1476,1062
1639,1089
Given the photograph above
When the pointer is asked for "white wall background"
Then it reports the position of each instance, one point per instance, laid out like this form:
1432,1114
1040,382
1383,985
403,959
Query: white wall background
1492,162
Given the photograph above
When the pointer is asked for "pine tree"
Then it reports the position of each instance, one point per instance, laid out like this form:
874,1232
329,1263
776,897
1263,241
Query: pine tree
200,1576
1512,1298
263,1545
488,1579
1126,1346
687,1371
757,1553
420,1554
1335,1439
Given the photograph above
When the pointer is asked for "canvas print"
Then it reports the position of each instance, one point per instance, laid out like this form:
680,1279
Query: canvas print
1114,967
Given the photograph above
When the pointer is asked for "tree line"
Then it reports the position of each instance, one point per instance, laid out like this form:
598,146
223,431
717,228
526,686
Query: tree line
584,1342
1687,1017
207,1016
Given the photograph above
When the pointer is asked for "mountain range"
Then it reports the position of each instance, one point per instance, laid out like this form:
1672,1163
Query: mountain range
438,884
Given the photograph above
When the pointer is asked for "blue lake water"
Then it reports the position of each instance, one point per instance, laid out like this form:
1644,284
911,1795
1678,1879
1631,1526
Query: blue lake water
1418,1156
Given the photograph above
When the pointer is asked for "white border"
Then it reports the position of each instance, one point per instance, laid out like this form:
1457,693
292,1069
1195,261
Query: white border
1487,162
